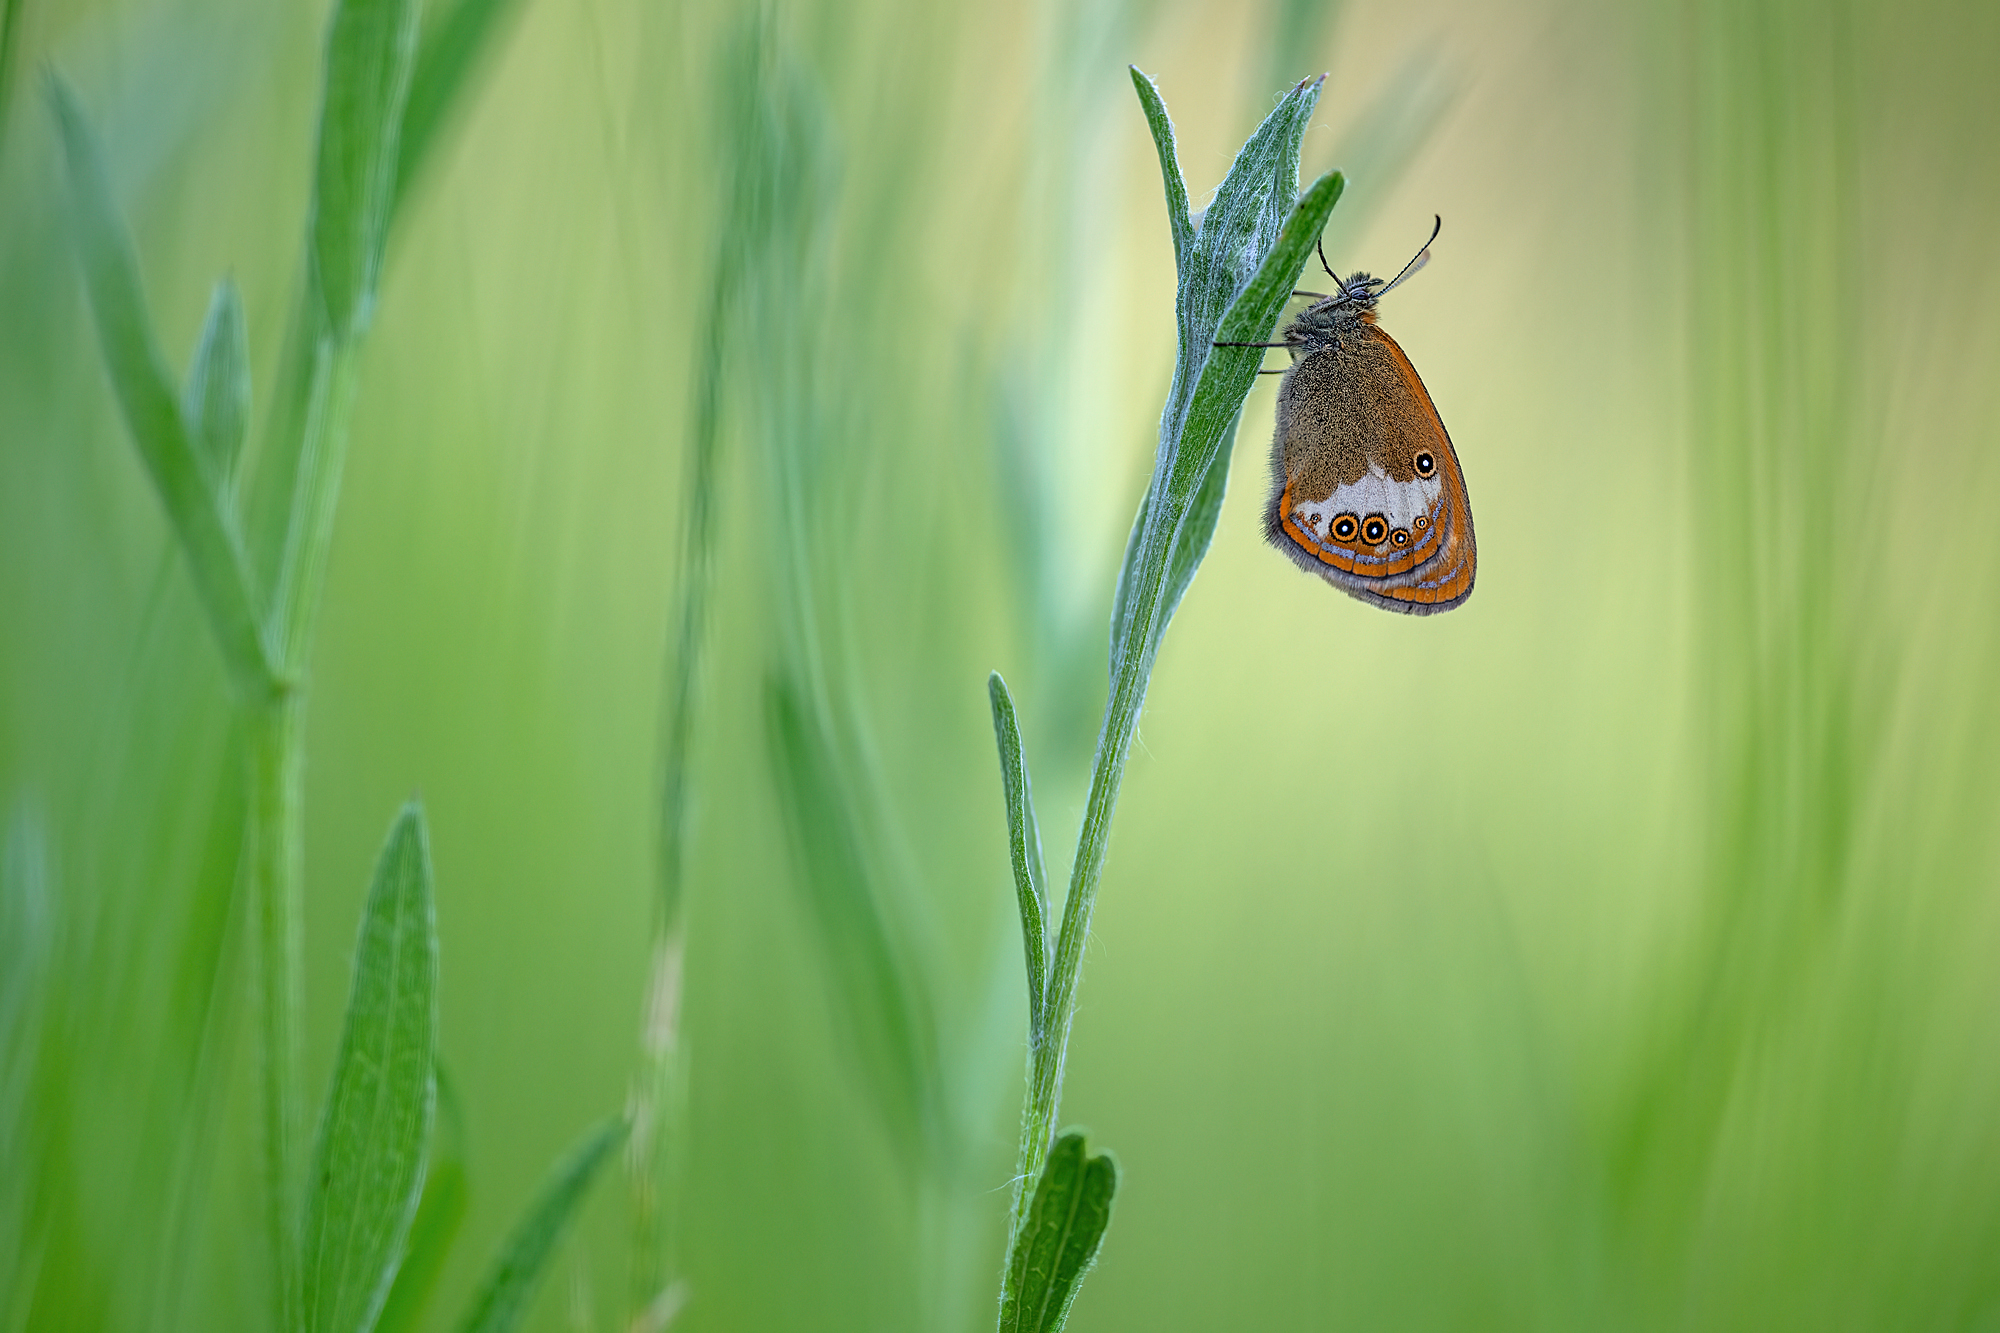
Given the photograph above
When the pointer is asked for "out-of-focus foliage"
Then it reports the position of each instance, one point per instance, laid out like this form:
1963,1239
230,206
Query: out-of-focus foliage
1620,950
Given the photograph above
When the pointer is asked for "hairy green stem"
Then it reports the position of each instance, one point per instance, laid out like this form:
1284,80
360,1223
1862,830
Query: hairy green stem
1114,744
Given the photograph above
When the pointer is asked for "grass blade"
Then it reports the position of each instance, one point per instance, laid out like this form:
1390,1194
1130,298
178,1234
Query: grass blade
207,530
370,52
1059,1243
215,402
1024,841
504,1292
368,1167
880,1007
448,54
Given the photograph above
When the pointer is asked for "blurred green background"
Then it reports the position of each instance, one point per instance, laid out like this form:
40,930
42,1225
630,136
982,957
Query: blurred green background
1620,951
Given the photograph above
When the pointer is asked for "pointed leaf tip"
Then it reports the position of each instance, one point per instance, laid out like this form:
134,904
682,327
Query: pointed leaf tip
215,402
368,1165
1024,845
502,1298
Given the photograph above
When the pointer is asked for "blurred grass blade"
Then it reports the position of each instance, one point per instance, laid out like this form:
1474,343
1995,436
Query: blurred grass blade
368,1167
1024,841
1298,37
206,529
370,50
1060,1240
440,1213
878,1004
448,55
503,1294
1376,149
10,38
215,402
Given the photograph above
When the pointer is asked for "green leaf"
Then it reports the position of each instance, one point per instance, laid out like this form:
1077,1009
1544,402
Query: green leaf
215,402
370,51
1198,528
503,1294
881,1009
204,526
439,1214
448,53
1024,842
1178,222
1061,1237
1197,532
1226,376
1235,274
368,1166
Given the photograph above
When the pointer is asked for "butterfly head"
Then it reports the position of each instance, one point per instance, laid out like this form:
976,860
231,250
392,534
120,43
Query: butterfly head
1359,291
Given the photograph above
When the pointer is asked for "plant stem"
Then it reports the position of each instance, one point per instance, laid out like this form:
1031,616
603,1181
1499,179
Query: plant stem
274,858
275,852
315,496
1114,743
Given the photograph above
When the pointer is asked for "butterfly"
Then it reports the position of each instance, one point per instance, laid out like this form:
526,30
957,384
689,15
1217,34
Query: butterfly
1366,491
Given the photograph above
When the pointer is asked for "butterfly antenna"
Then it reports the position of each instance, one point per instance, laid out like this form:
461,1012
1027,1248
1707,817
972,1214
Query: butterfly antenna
1320,245
1423,257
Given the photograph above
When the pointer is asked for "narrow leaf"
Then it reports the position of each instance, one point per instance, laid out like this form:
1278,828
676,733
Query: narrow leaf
1024,843
1198,528
215,402
1197,532
368,1166
206,529
440,1213
1178,222
370,50
448,54
1060,1240
503,1294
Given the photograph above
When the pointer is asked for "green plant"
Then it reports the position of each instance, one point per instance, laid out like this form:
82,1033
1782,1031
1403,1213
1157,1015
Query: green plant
1236,271
338,1233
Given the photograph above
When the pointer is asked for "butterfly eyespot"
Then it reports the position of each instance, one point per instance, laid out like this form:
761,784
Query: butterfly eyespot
1421,523
1399,538
1374,529
1344,527
1426,464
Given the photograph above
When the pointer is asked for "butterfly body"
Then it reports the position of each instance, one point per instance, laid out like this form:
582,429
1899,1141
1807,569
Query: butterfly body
1366,489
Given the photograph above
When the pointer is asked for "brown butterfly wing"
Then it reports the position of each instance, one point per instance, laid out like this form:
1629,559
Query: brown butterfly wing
1367,491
